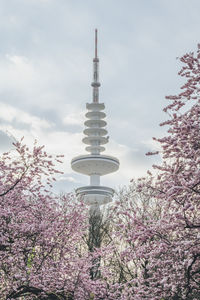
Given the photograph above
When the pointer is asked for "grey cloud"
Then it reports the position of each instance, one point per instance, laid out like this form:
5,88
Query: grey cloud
5,142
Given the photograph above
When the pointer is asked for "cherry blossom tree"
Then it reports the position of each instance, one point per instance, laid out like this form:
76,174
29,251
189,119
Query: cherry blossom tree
178,188
156,238
40,233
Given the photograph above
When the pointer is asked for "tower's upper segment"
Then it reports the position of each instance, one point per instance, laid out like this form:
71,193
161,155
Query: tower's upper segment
95,84
95,131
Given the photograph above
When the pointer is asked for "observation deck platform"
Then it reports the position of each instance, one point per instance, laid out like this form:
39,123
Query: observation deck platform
95,164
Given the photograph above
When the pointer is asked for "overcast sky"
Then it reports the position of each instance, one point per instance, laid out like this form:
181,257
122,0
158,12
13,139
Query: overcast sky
46,53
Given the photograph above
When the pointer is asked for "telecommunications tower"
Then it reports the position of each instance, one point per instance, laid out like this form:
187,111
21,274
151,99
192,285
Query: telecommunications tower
95,164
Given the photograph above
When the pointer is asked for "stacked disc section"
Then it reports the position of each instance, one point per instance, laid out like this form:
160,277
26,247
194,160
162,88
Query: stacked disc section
95,128
95,164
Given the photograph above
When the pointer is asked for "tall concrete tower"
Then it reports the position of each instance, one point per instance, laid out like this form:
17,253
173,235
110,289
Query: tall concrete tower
95,164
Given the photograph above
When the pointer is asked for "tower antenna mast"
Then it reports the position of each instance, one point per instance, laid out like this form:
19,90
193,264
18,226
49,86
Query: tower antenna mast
95,84
95,43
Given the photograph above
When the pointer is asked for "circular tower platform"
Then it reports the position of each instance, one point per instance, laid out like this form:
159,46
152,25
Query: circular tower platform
95,195
95,164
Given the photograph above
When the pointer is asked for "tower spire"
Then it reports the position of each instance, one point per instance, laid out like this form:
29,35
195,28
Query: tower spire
95,84
95,43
